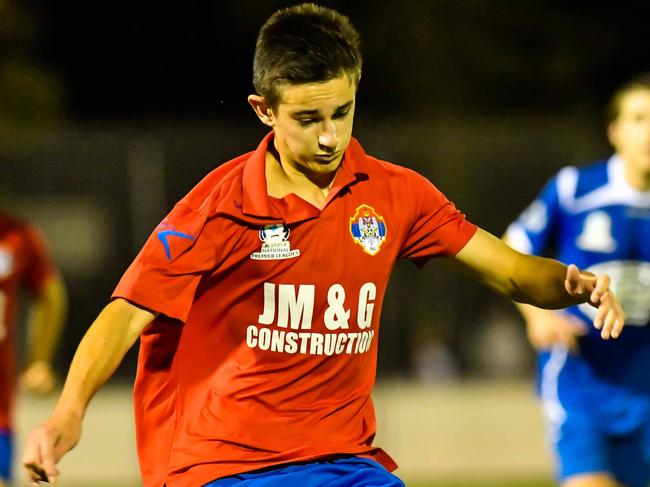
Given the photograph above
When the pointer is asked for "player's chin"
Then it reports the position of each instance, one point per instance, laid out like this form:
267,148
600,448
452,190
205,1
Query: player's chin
324,165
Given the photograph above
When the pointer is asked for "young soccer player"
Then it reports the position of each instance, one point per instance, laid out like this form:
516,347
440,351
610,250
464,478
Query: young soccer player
24,264
257,299
596,395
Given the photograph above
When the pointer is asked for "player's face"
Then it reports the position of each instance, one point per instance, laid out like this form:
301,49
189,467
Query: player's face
313,124
630,132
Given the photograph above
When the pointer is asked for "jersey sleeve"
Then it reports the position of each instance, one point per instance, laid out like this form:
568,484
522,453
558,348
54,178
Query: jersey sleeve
438,227
532,232
165,274
39,266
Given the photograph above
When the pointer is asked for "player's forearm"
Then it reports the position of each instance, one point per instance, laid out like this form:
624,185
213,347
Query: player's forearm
540,282
45,322
100,352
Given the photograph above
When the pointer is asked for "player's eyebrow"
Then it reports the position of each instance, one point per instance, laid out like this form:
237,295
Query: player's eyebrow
312,112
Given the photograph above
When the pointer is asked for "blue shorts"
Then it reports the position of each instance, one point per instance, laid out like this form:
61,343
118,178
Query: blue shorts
594,427
587,450
6,454
339,472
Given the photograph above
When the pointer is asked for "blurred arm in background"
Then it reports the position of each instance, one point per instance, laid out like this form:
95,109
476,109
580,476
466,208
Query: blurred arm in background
45,320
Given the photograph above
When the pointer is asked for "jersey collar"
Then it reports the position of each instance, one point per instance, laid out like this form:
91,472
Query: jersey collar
292,209
616,172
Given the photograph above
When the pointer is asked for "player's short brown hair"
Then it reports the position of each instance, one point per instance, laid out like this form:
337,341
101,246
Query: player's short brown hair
305,43
639,82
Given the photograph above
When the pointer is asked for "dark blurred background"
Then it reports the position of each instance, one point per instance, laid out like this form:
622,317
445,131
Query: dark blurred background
112,111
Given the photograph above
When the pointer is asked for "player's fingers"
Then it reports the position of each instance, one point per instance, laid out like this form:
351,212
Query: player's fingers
619,323
608,322
49,460
573,281
41,459
601,287
606,303
36,474
31,453
32,462
615,318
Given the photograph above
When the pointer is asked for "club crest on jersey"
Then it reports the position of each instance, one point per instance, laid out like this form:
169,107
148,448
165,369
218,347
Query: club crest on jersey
368,229
596,234
275,243
6,262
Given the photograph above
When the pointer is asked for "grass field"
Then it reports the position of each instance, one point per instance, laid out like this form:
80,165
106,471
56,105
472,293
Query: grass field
477,434
491,483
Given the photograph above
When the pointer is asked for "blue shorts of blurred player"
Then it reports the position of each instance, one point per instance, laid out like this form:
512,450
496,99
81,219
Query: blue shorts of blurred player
585,448
595,427
339,472
6,454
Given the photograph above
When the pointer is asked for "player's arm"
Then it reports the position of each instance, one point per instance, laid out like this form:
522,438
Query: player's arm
546,328
100,352
45,320
544,283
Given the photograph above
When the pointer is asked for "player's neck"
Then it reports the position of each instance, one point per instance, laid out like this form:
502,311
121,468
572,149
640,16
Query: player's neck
639,180
283,179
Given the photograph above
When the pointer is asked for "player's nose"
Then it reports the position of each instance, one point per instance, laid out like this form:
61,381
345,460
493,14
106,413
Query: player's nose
327,137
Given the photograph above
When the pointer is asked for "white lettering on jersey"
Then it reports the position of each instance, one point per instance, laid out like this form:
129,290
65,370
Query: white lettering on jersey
336,316
291,342
268,315
367,295
295,309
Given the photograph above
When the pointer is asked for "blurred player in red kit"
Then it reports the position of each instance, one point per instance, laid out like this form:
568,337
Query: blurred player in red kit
257,299
25,266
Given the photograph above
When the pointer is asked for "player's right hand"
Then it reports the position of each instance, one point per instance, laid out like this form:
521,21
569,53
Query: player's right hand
552,328
47,444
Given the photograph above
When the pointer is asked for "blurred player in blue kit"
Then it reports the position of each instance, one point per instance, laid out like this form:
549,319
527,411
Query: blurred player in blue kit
595,394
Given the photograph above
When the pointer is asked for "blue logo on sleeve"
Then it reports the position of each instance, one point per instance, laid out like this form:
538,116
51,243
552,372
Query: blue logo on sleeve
164,235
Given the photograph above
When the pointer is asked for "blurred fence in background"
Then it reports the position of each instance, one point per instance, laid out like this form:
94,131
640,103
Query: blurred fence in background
97,191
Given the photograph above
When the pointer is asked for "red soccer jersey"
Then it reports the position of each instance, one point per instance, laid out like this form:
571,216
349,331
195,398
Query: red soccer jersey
265,352
23,263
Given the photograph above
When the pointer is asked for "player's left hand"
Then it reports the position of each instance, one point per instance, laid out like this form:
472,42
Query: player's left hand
595,290
38,378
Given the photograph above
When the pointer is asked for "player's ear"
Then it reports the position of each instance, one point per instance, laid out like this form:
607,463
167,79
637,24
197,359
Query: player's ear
612,134
262,109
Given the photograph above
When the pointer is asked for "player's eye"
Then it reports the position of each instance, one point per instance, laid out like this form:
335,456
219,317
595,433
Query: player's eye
304,122
341,114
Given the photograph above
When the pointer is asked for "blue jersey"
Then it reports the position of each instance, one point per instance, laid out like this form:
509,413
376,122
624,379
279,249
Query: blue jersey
593,218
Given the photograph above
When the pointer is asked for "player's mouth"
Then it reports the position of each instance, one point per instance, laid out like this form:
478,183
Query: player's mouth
326,158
